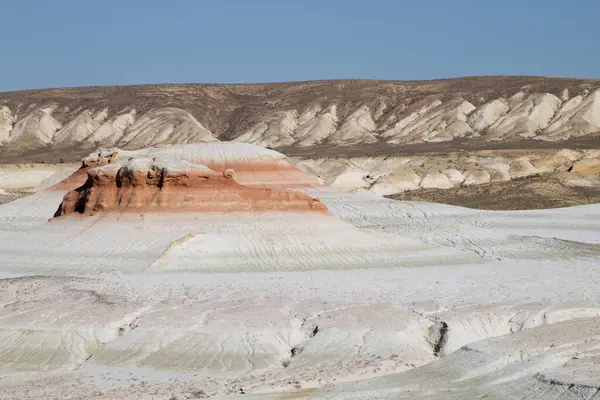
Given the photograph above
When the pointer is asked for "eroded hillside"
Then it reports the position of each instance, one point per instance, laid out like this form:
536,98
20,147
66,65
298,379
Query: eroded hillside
301,116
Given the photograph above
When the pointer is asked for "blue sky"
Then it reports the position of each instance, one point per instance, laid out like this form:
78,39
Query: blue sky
113,42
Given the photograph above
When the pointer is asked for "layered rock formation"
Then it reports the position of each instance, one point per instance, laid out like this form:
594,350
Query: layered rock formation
167,182
35,130
390,175
302,115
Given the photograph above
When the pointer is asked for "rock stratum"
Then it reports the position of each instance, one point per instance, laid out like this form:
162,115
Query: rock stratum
303,115
168,180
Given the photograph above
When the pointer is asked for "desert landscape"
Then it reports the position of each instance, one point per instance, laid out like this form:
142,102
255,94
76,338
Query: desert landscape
306,240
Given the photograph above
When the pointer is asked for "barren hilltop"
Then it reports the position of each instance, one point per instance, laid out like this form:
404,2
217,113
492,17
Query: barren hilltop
305,118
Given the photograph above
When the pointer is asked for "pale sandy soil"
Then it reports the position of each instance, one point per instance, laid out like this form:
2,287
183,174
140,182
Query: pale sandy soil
382,299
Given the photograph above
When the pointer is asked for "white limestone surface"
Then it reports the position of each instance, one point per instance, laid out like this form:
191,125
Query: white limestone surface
380,299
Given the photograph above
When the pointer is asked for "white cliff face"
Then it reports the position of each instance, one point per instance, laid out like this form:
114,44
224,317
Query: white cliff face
399,129
359,127
488,114
497,167
435,122
111,131
78,129
274,131
542,116
166,126
539,116
315,126
7,120
578,117
527,118
34,131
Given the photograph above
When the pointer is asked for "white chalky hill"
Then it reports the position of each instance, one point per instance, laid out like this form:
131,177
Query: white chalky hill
303,115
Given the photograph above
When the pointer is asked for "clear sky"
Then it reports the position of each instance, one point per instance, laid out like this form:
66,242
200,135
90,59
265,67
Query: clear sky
113,42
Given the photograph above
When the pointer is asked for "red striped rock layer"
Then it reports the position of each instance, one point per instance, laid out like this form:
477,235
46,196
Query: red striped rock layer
79,177
253,165
145,186
280,175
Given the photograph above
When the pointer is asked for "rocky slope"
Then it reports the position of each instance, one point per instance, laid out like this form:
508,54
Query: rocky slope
302,115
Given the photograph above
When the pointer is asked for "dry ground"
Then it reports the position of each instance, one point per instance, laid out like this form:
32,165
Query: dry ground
530,193
8,195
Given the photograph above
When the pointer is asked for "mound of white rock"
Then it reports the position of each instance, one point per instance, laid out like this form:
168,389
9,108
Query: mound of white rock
391,175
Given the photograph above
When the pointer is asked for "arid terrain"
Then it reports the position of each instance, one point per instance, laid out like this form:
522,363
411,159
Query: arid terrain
309,240
322,120
528,193
302,115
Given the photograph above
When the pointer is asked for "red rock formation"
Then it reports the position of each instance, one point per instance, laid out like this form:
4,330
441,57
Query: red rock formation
271,174
142,185
265,168
80,176
73,181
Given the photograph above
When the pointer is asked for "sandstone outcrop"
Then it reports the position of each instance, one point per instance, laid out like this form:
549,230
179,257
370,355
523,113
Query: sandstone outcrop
130,181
